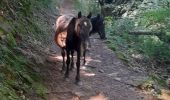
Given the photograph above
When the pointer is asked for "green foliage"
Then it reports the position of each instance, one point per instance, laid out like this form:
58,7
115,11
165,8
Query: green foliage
117,40
123,26
155,49
10,67
25,7
155,16
23,17
122,56
87,6
109,22
164,3
109,27
11,41
112,46
40,89
153,84
16,75
158,80
7,93
153,46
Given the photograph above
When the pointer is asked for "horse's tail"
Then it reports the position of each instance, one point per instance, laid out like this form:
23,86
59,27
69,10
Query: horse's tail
60,39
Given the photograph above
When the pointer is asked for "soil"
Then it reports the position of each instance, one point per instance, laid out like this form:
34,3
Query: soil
104,76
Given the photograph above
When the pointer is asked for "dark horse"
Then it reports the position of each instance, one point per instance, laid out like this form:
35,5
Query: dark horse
98,26
72,33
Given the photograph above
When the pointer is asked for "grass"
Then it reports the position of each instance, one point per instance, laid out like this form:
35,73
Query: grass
153,84
149,51
17,78
155,16
87,6
151,46
16,75
155,48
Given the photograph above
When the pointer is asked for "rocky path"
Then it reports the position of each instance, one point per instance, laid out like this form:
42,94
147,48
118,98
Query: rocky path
104,77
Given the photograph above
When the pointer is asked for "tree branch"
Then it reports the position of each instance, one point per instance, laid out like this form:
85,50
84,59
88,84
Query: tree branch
101,2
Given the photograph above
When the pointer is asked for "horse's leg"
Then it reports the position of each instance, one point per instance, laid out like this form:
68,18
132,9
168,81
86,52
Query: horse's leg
89,43
78,67
68,63
84,60
84,53
63,55
72,60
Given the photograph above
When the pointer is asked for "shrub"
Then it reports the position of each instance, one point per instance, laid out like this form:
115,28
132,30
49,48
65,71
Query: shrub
122,26
151,17
155,49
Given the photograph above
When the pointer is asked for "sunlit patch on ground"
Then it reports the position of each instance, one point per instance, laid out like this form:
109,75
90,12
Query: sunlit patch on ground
55,58
76,98
85,70
165,95
88,73
137,56
100,96
89,59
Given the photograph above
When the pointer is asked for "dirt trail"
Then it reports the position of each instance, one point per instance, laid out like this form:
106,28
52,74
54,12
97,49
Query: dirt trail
67,7
104,77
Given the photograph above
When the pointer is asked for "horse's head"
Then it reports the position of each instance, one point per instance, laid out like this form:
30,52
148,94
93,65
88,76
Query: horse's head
98,25
83,26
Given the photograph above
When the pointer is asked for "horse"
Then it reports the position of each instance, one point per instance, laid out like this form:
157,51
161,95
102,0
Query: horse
72,33
98,26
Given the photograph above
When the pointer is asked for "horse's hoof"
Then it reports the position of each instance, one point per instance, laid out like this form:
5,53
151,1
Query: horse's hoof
62,71
71,69
84,63
66,79
79,83
88,49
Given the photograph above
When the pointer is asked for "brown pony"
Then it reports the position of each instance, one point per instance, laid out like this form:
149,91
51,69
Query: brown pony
72,33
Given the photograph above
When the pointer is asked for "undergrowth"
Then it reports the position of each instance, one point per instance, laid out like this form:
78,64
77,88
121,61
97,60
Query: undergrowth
17,77
149,51
155,16
154,47
87,6
22,21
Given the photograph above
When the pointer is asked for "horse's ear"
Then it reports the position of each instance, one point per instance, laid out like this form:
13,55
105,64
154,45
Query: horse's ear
79,14
98,16
89,16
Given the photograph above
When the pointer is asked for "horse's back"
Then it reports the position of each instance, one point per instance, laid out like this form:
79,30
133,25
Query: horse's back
63,21
61,29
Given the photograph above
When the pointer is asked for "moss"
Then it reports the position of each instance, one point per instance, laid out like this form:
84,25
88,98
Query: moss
159,80
11,40
7,93
28,19
122,56
112,46
16,74
155,16
40,89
